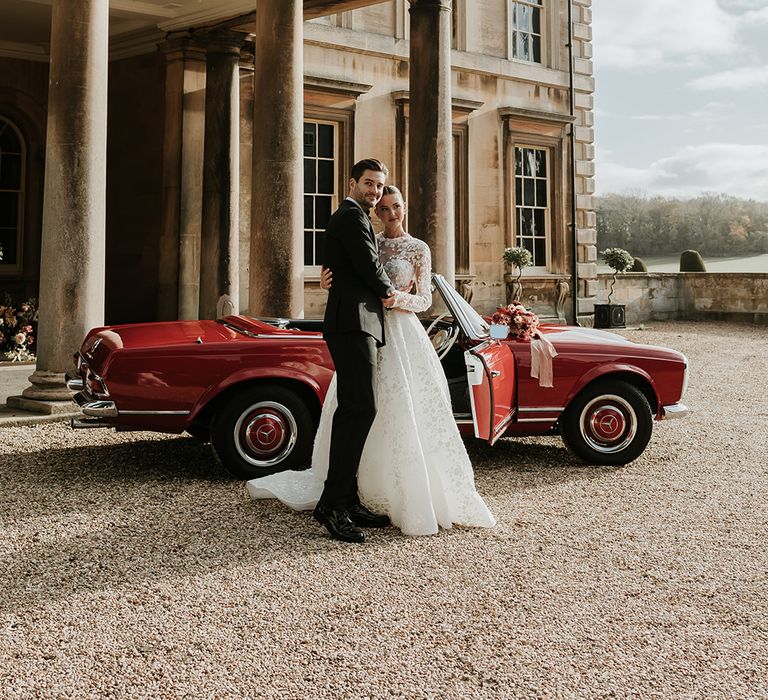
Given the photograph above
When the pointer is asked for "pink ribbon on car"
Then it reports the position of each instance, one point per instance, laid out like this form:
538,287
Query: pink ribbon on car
542,354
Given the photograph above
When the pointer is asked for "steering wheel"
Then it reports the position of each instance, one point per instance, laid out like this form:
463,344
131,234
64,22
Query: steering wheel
442,339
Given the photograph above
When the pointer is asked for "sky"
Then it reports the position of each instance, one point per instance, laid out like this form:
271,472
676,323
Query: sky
681,97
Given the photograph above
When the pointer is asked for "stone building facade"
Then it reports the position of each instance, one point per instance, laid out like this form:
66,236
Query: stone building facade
197,179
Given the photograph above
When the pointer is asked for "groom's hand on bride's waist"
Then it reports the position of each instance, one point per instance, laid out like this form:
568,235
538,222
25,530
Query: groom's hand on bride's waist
389,302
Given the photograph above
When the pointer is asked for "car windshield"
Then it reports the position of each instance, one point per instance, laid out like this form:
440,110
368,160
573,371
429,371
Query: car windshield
471,322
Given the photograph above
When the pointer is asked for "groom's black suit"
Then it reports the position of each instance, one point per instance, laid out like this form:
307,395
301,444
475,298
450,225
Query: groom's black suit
353,329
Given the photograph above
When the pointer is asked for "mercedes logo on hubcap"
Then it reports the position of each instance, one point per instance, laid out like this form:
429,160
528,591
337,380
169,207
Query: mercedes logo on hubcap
266,434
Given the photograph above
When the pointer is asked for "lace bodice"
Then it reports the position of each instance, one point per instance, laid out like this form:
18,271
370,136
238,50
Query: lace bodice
407,262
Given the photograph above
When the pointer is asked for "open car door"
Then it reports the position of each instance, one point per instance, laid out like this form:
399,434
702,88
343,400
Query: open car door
491,379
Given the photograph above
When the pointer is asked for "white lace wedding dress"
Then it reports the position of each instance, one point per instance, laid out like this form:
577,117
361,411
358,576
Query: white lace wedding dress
414,466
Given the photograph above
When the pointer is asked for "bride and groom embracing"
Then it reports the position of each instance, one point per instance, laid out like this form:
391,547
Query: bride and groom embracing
387,448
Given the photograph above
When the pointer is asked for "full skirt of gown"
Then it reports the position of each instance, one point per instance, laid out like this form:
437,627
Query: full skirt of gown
414,465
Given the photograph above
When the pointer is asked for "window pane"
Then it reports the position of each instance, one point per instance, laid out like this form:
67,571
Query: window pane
524,53
536,48
9,210
536,21
9,141
325,141
540,253
518,191
322,212
541,193
8,241
523,14
319,238
528,187
10,171
310,139
526,221
325,176
514,15
540,163
528,245
310,184
518,161
308,251
538,222
529,161
308,213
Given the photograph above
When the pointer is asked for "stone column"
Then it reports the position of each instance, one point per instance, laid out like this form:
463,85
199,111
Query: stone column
430,138
74,203
276,258
179,245
219,242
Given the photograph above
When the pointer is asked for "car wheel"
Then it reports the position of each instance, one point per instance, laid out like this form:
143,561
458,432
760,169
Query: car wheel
609,423
262,430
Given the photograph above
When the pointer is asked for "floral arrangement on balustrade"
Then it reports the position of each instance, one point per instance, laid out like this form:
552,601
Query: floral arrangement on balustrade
18,330
524,325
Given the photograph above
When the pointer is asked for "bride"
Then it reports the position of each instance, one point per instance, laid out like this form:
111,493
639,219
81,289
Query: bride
414,467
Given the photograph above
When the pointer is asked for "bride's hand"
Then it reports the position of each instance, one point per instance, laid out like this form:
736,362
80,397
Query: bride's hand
326,278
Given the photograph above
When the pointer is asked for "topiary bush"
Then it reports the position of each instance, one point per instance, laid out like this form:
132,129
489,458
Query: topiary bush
639,266
691,261
620,260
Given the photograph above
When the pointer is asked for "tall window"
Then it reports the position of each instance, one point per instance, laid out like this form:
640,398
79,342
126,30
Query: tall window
525,30
532,214
12,156
320,185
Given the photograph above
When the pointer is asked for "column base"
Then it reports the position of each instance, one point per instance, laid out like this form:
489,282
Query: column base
48,408
47,386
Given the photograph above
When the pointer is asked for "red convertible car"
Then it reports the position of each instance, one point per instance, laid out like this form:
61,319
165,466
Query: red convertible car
255,387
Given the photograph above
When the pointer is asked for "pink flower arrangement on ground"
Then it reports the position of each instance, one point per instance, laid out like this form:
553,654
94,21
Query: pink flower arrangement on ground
523,324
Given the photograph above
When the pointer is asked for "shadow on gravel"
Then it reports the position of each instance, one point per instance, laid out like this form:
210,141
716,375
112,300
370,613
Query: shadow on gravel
144,513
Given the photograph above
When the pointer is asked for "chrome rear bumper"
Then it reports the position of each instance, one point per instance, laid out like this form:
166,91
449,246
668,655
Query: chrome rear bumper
676,410
94,410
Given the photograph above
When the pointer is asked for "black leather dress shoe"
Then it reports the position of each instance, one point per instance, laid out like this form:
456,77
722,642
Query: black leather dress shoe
338,524
362,517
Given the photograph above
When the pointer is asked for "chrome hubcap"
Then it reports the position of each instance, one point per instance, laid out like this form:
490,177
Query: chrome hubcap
608,423
265,434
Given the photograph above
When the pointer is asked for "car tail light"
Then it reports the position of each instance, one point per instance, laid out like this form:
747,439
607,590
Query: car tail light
96,385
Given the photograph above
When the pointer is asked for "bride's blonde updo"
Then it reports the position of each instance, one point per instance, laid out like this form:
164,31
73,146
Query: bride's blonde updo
391,189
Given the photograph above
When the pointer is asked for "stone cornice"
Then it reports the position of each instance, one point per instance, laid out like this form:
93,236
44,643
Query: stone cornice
336,85
535,114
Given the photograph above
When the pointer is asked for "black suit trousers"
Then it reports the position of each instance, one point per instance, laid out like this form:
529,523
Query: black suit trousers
354,356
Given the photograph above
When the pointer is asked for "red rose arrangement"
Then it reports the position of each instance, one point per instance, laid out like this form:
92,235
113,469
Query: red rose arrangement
523,324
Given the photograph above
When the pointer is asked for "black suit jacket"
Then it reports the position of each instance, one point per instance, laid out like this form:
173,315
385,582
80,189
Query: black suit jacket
359,280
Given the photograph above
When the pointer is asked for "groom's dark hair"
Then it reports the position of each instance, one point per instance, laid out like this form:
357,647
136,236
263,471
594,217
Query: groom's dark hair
368,164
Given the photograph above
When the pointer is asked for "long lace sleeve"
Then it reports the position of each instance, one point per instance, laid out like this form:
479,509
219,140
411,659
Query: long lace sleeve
421,299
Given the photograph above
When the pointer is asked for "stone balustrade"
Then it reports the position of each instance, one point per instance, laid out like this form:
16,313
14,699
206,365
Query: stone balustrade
658,296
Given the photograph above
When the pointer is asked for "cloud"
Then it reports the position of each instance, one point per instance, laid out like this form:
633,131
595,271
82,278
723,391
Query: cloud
744,78
631,34
736,169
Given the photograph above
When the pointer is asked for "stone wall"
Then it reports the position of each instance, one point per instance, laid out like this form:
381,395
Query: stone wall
658,296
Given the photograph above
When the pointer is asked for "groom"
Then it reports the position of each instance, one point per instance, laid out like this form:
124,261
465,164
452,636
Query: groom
353,330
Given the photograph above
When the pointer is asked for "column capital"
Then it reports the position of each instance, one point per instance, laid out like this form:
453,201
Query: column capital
181,45
430,5
222,41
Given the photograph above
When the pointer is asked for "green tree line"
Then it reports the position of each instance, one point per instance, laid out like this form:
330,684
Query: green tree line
714,224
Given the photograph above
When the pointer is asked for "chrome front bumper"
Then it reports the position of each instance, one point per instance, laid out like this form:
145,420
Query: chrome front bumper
676,410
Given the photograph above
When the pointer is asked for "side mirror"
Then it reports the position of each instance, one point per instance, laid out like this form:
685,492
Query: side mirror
499,331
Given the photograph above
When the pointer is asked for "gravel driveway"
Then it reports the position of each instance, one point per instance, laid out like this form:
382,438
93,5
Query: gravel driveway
132,567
